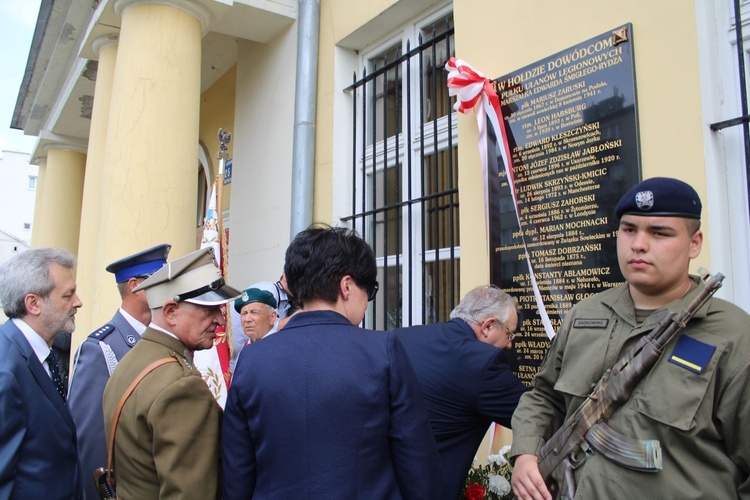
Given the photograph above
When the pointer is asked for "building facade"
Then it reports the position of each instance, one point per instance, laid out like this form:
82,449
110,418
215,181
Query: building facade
126,98
18,187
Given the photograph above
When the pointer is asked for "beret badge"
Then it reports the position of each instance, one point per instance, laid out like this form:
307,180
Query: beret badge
644,200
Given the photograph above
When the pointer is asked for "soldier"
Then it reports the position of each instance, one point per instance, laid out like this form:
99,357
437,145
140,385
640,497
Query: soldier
694,401
168,436
100,352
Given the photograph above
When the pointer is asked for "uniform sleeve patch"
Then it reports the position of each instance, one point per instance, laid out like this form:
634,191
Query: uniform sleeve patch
590,323
692,354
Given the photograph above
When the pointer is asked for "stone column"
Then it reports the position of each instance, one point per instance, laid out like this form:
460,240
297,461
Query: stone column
88,241
59,211
149,192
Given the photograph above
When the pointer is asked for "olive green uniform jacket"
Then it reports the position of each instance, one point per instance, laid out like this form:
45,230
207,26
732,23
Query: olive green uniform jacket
168,438
702,420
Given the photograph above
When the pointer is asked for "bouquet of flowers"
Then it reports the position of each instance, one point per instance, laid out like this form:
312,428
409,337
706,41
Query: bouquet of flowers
491,481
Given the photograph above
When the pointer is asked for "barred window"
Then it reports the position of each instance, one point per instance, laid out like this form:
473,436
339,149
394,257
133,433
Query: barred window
405,175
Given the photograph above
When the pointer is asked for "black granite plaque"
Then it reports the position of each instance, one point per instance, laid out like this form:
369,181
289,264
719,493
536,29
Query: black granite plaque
572,127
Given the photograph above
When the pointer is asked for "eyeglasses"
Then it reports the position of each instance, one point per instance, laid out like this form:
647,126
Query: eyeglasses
372,291
511,335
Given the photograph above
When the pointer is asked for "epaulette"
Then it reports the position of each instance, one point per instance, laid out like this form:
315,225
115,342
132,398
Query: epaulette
183,360
102,332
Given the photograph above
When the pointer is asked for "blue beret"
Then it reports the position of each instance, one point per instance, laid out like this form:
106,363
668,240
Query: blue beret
661,197
255,295
143,263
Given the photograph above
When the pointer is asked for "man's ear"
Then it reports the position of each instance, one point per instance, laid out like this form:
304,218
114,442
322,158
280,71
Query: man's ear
696,243
132,283
169,310
33,304
485,326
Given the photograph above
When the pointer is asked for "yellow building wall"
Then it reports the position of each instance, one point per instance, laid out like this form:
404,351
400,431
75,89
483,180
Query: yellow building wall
505,36
502,36
217,111
338,19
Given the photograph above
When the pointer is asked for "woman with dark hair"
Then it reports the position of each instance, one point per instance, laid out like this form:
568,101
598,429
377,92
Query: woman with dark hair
325,409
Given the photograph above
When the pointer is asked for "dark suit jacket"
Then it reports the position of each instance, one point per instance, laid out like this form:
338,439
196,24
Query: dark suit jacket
90,375
467,384
327,410
38,456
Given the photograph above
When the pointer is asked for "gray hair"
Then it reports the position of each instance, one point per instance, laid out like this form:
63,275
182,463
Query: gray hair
483,302
28,272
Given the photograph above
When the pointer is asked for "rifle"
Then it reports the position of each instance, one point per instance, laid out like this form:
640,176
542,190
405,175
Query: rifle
587,428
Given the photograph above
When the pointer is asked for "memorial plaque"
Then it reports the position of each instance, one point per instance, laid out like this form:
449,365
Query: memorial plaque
571,122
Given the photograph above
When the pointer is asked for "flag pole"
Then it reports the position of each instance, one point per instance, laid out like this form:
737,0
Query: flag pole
223,155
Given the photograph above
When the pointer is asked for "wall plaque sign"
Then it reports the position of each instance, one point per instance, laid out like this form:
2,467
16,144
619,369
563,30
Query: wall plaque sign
572,127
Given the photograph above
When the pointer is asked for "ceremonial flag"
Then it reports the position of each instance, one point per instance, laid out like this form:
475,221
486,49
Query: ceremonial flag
213,363
475,91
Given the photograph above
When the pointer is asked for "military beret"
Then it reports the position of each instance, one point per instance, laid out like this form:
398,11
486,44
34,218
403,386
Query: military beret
661,197
144,263
255,295
194,278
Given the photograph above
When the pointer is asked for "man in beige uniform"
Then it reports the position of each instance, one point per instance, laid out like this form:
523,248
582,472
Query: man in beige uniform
695,400
167,442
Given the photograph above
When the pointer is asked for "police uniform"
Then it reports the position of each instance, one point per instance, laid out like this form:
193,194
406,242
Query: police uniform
167,441
694,401
95,361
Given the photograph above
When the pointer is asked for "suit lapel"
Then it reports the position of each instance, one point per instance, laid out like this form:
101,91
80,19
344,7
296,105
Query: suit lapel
37,370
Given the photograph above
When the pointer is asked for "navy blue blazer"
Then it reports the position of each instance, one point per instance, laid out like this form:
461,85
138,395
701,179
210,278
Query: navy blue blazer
327,410
467,384
89,376
38,456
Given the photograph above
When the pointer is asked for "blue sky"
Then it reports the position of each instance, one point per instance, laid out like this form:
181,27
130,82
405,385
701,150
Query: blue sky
17,21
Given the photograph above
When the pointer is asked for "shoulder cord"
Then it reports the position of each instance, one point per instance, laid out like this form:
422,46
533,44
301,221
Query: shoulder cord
128,391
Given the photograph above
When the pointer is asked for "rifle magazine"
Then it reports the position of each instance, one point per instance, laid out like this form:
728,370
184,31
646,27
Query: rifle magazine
637,454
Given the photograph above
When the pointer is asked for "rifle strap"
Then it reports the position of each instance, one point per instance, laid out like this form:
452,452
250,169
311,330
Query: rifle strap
125,396
637,454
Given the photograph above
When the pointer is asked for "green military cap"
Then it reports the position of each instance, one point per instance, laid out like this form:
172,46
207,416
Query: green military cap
194,278
255,295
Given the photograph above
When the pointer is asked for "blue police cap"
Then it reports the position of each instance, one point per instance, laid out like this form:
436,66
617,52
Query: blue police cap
255,295
661,197
143,263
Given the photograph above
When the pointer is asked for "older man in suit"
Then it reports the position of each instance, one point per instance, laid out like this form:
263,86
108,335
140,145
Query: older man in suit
102,350
38,452
167,440
465,377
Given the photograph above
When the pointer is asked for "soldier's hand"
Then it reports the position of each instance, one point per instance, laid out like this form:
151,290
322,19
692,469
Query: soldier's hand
527,482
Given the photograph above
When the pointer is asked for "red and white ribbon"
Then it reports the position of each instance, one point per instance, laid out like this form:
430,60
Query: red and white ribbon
474,91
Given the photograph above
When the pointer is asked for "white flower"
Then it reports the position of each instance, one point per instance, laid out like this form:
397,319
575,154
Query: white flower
498,459
499,486
504,450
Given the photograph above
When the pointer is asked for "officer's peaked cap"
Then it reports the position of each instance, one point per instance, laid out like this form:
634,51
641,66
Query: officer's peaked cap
194,278
144,263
